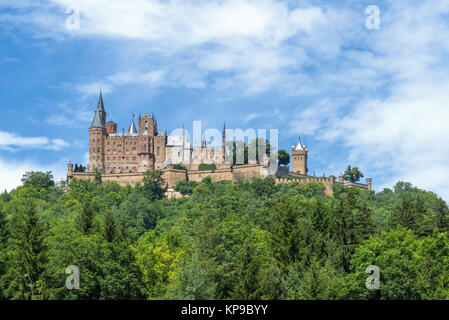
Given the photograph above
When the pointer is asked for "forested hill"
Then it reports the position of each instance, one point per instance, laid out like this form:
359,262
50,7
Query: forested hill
248,240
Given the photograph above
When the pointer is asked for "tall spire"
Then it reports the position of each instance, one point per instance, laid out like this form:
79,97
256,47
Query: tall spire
100,105
100,108
132,127
299,146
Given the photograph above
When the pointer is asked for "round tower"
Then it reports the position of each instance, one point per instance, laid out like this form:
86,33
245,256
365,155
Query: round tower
97,137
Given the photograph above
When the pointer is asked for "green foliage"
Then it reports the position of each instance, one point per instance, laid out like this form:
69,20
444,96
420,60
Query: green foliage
26,255
179,166
97,178
79,168
352,174
153,185
207,166
38,180
284,157
185,187
245,240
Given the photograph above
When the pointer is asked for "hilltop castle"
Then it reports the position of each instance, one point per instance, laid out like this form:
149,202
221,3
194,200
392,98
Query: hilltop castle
125,157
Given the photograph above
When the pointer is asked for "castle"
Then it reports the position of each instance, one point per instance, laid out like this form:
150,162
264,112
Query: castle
125,157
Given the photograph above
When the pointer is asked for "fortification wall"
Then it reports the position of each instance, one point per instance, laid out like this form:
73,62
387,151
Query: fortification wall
326,181
246,172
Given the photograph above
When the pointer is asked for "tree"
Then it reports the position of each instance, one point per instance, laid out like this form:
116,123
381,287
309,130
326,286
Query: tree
26,255
153,183
86,220
97,178
284,157
409,213
352,174
109,227
38,180
3,246
194,282
442,216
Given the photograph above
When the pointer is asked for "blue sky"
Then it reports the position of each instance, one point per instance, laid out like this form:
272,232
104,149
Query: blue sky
374,98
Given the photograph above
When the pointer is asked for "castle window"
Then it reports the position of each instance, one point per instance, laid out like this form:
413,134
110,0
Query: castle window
134,158
98,149
158,152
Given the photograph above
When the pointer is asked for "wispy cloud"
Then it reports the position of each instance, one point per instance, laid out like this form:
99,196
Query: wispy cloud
14,142
7,59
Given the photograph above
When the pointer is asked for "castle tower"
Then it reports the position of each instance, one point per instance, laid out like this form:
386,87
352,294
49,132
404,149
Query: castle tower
97,135
145,152
299,158
148,125
111,127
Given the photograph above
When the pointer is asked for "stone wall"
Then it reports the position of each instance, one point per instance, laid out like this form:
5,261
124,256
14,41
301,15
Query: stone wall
326,181
224,172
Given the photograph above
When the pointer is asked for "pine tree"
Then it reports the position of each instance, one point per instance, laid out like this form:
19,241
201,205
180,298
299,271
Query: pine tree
86,218
110,227
442,216
409,214
3,239
26,255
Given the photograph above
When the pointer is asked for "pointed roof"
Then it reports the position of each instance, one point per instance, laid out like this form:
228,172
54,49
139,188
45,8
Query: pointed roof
100,105
132,127
299,146
98,121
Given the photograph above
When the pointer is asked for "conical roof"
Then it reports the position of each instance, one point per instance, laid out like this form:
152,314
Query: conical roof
132,127
97,122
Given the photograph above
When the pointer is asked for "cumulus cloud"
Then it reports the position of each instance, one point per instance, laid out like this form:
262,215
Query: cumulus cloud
249,45
401,131
14,142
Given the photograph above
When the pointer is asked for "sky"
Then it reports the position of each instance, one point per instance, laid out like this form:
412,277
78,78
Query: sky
362,87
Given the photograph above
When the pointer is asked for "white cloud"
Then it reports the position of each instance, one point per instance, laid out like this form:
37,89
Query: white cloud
11,173
403,133
248,45
13,142
7,59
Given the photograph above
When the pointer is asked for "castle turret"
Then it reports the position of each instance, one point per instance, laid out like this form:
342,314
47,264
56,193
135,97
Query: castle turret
97,134
111,127
299,158
369,181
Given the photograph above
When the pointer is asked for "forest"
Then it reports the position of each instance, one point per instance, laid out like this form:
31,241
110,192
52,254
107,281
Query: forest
244,240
